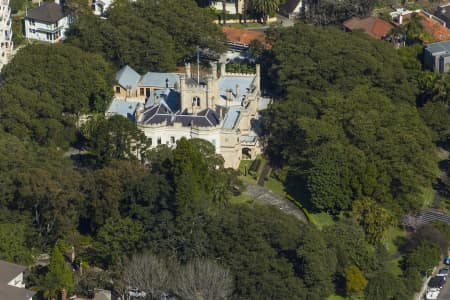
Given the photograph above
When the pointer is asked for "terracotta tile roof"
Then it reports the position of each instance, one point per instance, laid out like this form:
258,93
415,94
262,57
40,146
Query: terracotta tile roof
373,26
438,31
243,36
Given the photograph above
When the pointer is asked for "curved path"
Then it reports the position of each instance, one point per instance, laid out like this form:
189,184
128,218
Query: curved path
264,195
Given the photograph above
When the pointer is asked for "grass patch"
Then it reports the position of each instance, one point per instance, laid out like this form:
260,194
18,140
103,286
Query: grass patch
242,198
275,186
392,234
428,196
321,220
336,297
393,266
247,25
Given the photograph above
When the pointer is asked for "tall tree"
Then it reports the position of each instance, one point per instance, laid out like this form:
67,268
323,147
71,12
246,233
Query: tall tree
265,8
59,278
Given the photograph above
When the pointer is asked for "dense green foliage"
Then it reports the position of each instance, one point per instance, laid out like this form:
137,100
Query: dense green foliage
346,125
46,87
148,34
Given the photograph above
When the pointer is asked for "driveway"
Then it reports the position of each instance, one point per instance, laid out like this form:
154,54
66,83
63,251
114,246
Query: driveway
262,194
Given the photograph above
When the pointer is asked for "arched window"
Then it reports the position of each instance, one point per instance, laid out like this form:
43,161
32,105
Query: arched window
196,101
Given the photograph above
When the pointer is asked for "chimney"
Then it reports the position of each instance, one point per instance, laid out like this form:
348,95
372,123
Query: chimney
229,95
223,71
63,294
214,69
237,92
188,70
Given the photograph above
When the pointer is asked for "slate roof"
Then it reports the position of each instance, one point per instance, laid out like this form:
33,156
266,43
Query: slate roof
439,47
49,12
229,82
171,98
123,108
127,77
161,113
9,271
373,26
205,118
159,79
231,117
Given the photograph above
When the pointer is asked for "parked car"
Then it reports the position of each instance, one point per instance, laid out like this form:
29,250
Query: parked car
432,294
444,272
136,293
437,282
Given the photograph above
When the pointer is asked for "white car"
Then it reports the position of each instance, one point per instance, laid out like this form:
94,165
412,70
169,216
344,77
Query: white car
136,293
432,294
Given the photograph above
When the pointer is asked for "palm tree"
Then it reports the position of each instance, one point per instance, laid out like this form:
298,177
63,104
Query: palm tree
265,8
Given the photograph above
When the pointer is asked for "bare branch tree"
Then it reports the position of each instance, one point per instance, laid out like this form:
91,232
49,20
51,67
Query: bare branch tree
202,280
148,273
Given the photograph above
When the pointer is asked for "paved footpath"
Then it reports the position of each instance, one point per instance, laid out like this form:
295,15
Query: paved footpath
264,195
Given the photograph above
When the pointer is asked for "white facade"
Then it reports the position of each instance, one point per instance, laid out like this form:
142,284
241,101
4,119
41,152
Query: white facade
45,30
6,44
17,281
231,6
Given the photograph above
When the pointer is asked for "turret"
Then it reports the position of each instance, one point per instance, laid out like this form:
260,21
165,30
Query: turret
188,70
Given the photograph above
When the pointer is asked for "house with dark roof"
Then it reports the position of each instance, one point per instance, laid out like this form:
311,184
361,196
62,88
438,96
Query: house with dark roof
292,8
220,107
12,286
437,57
47,22
373,26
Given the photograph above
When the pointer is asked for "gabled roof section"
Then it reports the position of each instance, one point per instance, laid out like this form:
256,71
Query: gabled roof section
161,80
8,272
49,12
123,108
127,77
373,26
288,6
229,82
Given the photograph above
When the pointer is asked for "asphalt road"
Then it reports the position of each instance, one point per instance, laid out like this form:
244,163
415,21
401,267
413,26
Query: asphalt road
445,291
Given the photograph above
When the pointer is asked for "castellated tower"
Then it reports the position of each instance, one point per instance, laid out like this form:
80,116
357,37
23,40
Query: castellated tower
6,44
198,96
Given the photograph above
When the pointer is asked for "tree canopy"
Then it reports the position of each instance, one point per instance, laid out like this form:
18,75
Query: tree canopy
148,34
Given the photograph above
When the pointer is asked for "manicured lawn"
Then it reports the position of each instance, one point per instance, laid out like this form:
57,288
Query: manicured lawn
244,26
321,220
275,186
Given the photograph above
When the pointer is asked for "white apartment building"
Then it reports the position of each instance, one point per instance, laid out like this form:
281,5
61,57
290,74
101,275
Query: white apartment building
6,44
47,23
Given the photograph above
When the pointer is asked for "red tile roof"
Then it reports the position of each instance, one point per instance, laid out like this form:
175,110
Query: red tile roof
373,26
243,36
438,31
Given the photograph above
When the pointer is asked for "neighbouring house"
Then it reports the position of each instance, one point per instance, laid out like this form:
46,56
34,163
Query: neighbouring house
437,57
222,108
434,28
100,7
12,286
373,26
6,43
443,13
240,39
292,8
47,22
231,6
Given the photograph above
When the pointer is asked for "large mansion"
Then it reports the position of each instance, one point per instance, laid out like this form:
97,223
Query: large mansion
220,107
